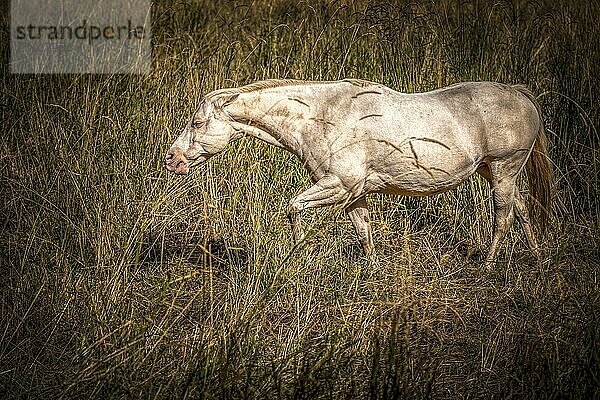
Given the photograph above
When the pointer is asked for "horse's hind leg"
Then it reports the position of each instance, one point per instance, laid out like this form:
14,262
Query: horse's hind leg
520,211
359,215
503,191
523,217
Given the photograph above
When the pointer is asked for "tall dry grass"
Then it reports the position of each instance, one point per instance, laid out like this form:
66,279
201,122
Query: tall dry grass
118,280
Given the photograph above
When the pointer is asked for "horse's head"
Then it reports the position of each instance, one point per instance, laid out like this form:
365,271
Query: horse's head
207,134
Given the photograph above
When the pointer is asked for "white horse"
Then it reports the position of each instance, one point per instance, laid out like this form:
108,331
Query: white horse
356,137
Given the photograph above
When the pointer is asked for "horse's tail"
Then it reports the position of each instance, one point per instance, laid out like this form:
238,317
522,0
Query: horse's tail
539,170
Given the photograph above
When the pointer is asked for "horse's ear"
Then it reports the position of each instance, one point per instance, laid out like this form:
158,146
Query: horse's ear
228,100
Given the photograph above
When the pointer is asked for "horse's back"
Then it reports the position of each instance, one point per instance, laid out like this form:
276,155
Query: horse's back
430,142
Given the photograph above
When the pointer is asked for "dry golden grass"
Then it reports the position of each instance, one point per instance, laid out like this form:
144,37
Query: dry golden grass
119,280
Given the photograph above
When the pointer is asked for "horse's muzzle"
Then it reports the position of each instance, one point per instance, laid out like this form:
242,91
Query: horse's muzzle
176,161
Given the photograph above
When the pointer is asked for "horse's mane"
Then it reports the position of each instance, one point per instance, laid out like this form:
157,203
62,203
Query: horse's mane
271,83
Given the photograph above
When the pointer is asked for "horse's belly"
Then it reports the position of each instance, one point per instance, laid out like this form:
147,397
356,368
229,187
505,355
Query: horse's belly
421,177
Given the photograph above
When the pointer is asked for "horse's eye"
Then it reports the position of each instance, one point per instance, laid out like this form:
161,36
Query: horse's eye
197,124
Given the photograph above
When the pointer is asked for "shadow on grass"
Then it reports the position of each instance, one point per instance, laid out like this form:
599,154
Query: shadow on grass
177,245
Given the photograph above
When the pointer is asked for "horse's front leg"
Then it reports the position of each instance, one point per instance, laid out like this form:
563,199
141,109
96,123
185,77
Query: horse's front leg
327,191
296,222
359,215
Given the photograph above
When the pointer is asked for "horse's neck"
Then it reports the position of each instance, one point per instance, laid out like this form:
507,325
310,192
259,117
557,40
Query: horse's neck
268,117
257,133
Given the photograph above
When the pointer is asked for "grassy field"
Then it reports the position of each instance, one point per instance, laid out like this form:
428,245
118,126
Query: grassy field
119,280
